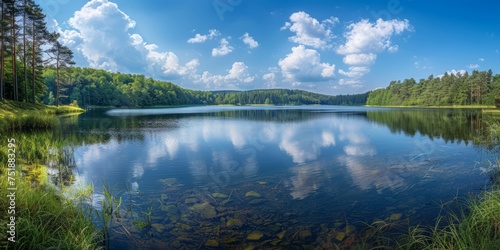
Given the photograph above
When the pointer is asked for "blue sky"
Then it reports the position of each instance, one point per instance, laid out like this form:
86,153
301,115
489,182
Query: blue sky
331,47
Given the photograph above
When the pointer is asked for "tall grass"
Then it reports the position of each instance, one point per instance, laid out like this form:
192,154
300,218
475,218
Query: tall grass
44,220
477,228
17,116
110,210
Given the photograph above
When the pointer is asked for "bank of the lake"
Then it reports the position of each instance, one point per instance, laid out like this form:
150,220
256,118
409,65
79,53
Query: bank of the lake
25,116
36,215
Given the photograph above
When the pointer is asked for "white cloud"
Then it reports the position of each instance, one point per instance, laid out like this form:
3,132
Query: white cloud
481,59
223,49
304,65
355,72
213,33
236,75
363,41
309,31
270,78
165,64
100,32
197,39
350,82
248,40
363,36
473,66
355,59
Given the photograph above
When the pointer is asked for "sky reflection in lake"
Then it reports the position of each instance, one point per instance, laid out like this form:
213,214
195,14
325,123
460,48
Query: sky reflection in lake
204,150
317,163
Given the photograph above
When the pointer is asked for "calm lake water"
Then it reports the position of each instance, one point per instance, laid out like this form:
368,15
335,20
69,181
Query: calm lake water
274,177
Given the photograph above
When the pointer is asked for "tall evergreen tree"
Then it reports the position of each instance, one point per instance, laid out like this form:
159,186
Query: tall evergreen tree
2,40
39,36
62,58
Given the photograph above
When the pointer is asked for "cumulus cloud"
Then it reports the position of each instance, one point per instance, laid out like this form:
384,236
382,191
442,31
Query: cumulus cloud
223,49
309,31
355,59
248,40
363,41
355,72
165,64
364,36
304,65
198,38
236,75
100,32
270,78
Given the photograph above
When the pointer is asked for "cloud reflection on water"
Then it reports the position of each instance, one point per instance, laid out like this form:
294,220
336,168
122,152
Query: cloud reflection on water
211,148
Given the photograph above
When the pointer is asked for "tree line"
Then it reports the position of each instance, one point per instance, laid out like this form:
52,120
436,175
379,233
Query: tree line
96,87
26,49
478,88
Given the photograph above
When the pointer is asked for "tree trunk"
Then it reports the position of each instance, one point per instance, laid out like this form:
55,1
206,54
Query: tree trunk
14,61
25,54
57,81
33,66
2,61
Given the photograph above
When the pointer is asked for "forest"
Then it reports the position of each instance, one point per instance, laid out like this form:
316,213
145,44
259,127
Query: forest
93,87
478,88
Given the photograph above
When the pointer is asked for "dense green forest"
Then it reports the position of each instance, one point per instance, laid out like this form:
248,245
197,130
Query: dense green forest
478,88
93,87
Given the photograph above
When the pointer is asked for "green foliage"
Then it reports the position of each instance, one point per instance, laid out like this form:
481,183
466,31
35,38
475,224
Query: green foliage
17,116
92,87
74,103
497,102
285,97
479,88
477,228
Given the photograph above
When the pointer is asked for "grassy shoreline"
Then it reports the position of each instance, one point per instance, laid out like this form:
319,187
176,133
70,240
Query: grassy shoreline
16,116
43,218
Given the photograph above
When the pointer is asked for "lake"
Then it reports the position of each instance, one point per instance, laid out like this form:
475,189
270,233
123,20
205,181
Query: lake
269,177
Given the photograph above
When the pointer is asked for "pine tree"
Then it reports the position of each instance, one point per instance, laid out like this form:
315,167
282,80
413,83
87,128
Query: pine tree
62,58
